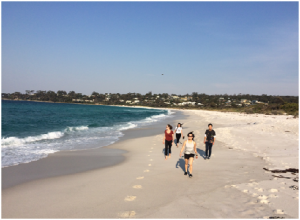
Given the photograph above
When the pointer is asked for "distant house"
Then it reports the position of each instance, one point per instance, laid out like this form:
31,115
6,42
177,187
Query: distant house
188,103
77,100
89,100
121,100
107,99
244,100
136,101
128,101
184,98
168,103
200,104
175,97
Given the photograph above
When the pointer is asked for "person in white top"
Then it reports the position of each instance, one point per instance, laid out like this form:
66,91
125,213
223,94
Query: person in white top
189,153
178,132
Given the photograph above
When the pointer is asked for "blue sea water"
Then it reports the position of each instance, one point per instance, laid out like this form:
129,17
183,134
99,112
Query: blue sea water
32,130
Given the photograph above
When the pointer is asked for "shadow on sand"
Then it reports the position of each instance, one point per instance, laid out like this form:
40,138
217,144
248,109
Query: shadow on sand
180,163
201,153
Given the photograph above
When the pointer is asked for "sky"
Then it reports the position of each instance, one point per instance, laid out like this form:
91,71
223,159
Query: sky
121,47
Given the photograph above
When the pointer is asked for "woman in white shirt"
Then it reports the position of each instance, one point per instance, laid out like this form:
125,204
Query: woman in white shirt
178,132
189,153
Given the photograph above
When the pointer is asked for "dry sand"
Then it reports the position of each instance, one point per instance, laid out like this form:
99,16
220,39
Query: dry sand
232,184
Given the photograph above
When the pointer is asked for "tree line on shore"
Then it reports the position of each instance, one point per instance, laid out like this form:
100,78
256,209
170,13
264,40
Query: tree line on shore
267,104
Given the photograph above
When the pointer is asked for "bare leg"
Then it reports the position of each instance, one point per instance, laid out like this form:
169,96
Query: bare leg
191,164
186,164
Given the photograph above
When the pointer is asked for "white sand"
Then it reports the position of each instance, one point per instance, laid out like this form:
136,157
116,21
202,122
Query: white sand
232,184
275,139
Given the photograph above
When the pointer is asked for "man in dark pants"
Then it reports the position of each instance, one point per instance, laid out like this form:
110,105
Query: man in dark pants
209,140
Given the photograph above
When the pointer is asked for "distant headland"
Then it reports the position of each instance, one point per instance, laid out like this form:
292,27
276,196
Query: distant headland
247,103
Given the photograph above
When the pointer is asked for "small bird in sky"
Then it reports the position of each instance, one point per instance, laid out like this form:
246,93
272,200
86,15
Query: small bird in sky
162,74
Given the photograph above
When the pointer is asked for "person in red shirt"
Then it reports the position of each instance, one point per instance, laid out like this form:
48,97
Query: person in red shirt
168,140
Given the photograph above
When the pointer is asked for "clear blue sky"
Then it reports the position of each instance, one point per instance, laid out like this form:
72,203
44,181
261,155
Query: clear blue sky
204,47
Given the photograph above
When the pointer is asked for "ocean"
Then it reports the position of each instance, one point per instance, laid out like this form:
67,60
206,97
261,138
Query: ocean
32,130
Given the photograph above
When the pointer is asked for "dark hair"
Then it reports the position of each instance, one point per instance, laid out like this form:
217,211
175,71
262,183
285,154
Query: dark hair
170,126
179,124
210,124
192,134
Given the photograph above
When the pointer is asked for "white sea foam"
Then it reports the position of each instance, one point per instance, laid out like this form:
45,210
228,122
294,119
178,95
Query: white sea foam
14,141
80,128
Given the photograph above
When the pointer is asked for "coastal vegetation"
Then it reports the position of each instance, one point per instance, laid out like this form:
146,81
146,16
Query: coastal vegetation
247,103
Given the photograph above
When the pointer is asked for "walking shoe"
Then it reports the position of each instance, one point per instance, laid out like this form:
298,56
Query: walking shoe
185,173
190,175
208,158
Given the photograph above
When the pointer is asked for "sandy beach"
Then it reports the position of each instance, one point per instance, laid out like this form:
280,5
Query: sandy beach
131,179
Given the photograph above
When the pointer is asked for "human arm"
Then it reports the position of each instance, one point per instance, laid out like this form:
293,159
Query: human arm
183,146
214,138
164,138
204,139
195,149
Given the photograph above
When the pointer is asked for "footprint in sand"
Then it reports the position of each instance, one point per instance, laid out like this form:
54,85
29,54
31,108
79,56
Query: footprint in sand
127,214
137,187
260,189
130,198
273,196
262,197
279,211
245,191
149,165
254,194
146,171
140,178
273,190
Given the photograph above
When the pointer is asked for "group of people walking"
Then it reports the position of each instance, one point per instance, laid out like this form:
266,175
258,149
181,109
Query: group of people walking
189,146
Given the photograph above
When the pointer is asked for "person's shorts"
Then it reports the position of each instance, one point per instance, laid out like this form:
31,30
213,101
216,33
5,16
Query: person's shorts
187,156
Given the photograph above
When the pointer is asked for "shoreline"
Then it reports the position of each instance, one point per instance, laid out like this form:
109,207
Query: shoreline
26,172
159,108
232,184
